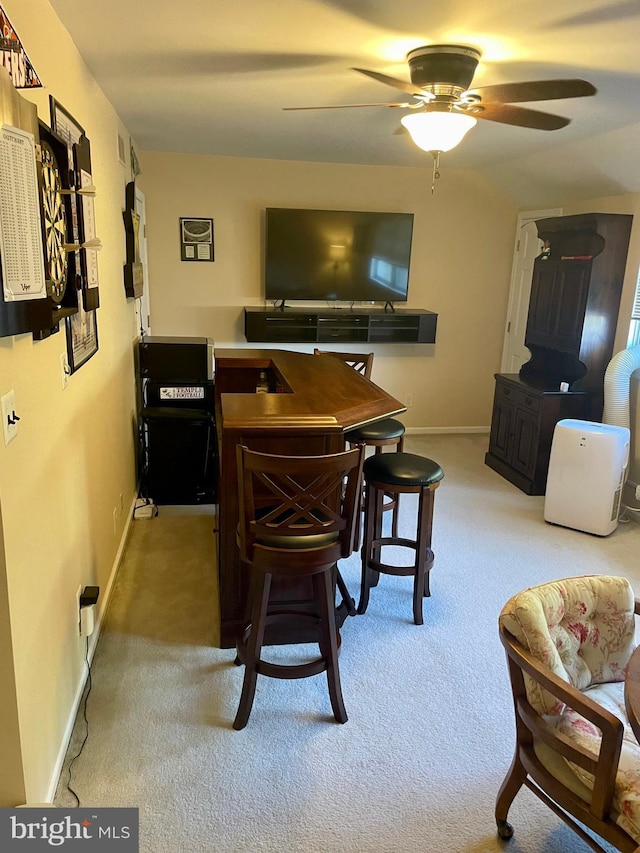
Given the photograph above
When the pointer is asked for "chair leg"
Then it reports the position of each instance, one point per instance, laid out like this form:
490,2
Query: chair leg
252,654
329,642
371,498
394,516
348,601
513,781
423,547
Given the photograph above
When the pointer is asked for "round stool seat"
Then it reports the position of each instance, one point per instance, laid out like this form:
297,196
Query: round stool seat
402,469
387,429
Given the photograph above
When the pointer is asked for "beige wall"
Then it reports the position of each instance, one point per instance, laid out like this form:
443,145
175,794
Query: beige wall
61,478
460,268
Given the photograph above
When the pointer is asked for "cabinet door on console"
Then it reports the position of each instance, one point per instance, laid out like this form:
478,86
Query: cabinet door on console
559,293
502,425
526,432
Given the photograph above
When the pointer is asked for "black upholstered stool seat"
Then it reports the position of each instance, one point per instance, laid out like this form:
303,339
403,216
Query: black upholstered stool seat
395,474
386,430
402,469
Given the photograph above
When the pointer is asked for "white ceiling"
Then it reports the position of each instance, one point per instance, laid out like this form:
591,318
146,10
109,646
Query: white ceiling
212,76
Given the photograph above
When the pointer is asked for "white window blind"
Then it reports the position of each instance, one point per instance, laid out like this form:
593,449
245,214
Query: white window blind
635,311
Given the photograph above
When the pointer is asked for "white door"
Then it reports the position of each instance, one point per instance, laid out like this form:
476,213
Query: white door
143,303
527,248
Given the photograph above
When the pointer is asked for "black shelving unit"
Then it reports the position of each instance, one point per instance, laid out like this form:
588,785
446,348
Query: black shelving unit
335,325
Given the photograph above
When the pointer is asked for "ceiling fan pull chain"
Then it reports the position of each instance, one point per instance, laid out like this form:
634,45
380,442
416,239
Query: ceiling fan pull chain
436,170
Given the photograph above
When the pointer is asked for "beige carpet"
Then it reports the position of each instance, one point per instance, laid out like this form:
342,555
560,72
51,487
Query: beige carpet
430,730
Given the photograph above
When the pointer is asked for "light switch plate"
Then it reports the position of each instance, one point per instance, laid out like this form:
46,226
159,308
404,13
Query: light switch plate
8,405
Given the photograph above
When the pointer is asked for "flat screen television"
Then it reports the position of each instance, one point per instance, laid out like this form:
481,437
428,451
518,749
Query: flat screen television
337,255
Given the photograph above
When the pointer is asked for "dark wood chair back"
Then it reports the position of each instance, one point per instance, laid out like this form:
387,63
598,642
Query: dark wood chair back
360,362
294,504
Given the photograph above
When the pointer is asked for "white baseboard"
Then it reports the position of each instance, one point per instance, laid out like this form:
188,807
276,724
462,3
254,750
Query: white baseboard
82,680
458,430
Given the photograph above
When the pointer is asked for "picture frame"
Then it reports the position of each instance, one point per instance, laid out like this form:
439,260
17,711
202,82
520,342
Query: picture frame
82,337
196,239
64,124
133,270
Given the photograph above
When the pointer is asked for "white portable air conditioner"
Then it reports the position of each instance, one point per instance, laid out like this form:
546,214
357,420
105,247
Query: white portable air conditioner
587,470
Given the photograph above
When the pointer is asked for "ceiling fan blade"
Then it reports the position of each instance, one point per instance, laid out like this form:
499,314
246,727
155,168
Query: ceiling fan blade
393,81
534,90
521,117
349,106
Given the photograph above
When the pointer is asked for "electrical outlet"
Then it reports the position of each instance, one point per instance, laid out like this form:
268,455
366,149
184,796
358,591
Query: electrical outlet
64,370
9,417
408,400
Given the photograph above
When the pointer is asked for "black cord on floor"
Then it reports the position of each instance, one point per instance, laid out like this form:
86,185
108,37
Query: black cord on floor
86,721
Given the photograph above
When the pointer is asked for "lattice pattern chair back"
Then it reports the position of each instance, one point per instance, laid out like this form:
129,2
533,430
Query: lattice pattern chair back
581,628
307,502
360,362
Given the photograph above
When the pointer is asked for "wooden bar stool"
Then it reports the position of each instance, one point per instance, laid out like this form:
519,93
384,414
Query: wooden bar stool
385,433
381,434
297,519
396,474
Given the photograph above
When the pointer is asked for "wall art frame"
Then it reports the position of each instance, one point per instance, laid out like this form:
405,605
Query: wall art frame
196,239
133,269
82,337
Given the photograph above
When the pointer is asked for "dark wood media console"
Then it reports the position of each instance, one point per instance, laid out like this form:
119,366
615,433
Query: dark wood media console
362,325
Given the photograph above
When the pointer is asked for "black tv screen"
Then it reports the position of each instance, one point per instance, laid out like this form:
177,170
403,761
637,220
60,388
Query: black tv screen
338,255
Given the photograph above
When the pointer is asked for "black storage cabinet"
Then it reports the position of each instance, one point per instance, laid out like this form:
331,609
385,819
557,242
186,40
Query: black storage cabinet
178,454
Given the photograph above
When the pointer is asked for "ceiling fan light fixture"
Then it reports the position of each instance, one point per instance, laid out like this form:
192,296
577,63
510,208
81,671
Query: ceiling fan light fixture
438,131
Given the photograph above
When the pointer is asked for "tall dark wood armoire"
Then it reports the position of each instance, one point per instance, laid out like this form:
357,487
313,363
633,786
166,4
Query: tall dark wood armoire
571,325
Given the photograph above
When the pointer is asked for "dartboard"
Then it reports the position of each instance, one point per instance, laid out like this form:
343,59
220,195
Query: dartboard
55,225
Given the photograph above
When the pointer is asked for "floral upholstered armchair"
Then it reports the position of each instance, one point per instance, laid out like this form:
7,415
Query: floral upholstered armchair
568,644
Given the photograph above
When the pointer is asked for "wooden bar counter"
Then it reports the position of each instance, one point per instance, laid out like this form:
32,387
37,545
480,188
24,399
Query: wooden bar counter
314,399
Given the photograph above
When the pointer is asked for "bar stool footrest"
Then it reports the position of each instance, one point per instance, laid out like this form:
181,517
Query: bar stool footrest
280,670
386,569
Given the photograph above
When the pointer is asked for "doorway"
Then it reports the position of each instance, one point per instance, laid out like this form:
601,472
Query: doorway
527,248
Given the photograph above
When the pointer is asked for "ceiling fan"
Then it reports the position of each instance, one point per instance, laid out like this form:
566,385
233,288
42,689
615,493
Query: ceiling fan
445,106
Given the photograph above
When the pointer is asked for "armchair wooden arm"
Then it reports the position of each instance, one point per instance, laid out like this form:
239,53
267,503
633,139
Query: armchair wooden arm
533,728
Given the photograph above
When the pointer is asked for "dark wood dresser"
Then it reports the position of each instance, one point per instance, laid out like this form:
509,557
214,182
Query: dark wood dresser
571,325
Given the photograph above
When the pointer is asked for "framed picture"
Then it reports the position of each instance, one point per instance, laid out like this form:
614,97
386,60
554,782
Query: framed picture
82,337
64,124
133,270
196,239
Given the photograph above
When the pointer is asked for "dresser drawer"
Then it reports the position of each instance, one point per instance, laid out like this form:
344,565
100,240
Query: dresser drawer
517,397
